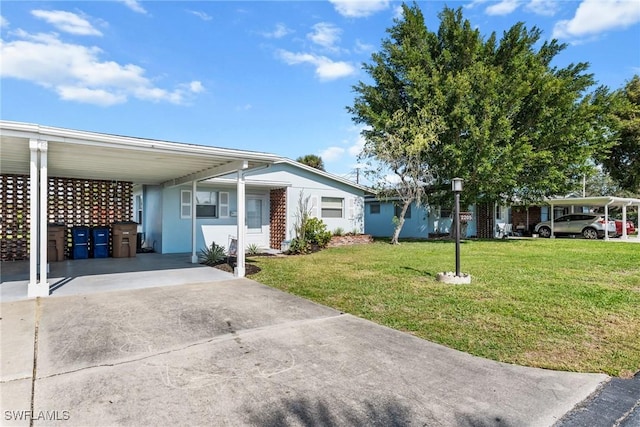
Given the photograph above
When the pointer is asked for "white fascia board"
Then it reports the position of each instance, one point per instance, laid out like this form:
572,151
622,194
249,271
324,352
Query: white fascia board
33,131
592,201
248,182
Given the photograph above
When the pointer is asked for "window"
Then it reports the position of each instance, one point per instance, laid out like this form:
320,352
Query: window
374,208
224,204
185,204
332,207
544,213
206,204
398,211
254,214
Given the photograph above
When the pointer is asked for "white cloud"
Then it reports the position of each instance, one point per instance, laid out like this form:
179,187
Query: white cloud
201,15
67,22
90,96
596,16
326,69
503,7
325,35
362,47
542,7
359,8
76,72
332,154
134,5
3,22
196,87
280,31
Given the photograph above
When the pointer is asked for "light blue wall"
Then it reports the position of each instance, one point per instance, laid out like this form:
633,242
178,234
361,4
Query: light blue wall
424,220
314,185
177,231
381,225
173,234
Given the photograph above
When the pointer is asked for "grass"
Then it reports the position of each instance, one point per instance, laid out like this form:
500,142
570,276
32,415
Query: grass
562,304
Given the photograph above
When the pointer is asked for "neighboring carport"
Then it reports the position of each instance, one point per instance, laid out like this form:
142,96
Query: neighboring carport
41,151
604,201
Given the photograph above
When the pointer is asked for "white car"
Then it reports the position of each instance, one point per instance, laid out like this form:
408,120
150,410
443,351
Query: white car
590,226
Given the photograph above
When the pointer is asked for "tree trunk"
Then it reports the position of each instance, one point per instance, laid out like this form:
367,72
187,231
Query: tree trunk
400,223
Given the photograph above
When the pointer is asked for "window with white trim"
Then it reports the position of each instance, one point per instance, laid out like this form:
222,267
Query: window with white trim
206,204
332,207
224,204
185,204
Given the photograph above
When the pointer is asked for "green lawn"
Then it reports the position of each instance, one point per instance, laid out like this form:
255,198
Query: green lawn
565,304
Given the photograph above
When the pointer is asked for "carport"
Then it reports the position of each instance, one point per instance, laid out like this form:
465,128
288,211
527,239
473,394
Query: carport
604,201
41,151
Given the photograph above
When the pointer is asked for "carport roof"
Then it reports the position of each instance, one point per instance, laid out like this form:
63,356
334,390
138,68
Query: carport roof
594,201
89,155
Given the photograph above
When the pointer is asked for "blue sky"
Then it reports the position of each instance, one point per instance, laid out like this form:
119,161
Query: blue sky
271,76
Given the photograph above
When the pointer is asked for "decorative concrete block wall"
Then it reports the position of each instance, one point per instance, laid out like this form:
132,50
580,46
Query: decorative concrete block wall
278,217
72,202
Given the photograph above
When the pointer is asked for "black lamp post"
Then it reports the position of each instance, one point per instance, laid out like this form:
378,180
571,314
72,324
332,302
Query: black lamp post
456,187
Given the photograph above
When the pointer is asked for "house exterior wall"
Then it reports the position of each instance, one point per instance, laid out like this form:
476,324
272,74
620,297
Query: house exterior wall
315,186
280,184
176,231
424,220
381,224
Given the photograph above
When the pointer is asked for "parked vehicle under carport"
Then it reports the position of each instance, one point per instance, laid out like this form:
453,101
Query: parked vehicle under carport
589,226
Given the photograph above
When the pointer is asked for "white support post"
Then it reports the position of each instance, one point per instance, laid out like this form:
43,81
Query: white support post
240,258
194,255
624,222
33,215
606,222
38,182
44,190
552,214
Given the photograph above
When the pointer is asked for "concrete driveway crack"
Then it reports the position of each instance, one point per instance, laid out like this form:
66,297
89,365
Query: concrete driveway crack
35,358
232,335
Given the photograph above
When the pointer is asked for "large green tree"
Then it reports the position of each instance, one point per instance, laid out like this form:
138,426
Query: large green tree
493,112
623,161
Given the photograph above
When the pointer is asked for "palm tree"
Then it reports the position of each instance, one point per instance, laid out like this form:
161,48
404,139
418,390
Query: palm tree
312,160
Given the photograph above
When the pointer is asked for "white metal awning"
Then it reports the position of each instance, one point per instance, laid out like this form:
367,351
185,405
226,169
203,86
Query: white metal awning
600,201
42,151
88,155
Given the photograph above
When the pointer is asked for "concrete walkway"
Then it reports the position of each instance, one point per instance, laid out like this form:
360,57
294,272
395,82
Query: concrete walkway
85,276
236,352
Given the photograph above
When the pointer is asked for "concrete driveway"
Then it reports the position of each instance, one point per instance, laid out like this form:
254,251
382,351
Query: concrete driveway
236,352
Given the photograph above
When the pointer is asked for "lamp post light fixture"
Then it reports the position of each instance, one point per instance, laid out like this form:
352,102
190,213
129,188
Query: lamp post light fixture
456,187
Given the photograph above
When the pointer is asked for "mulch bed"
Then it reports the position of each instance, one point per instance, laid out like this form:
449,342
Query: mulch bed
249,268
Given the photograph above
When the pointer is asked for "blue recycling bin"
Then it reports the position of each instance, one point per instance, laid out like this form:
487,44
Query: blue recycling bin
100,242
80,242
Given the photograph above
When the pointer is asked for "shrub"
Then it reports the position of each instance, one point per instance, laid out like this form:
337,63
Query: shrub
213,255
299,246
316,232
338,232
253,249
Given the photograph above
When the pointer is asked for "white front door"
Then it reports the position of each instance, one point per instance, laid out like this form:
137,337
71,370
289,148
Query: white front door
257,222
254,214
